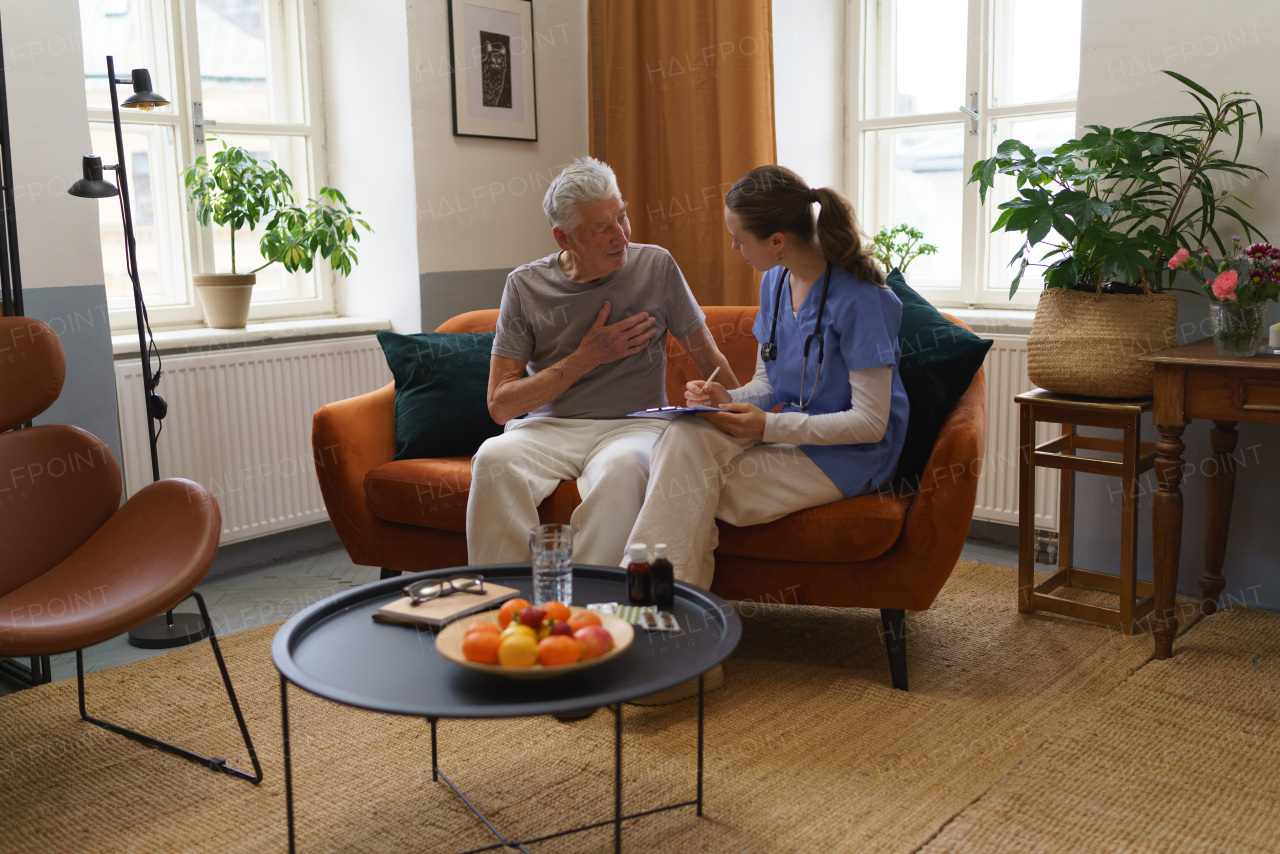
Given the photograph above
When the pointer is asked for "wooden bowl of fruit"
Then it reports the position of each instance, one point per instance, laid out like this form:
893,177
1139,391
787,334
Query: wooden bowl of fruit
523,642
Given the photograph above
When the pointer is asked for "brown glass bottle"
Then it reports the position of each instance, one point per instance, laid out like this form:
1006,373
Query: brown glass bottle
662,578
639,581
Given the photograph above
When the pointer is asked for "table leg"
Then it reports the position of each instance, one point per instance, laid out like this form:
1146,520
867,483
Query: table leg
1220,490
701,695
435,766
1166,527
288,768
617,777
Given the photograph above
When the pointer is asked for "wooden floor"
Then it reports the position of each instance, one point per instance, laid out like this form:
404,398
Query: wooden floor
278,587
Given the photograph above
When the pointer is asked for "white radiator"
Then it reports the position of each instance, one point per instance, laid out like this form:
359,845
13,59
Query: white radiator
239,423
998,487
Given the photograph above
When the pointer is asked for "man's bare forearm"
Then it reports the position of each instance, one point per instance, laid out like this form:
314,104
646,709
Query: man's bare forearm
702,347
512,394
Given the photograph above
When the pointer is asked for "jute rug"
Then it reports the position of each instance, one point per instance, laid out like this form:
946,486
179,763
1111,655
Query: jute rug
807,746
1184,756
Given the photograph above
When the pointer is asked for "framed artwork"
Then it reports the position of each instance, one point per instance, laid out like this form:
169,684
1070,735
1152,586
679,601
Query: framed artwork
491,45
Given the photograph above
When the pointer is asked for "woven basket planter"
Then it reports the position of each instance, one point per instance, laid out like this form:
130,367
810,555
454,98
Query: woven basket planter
1088,344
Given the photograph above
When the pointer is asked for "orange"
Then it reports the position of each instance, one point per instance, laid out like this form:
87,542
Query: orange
518,650
556,611
481,647
483,627
557,649
508,610
583,618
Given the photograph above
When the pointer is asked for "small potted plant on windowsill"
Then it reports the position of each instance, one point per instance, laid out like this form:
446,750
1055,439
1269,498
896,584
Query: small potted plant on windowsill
1103,214
231,188
897,247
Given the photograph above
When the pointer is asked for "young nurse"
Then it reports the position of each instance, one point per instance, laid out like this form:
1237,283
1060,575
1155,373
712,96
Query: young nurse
828,330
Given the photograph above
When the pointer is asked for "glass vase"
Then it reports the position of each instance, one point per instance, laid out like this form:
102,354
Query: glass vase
1237,327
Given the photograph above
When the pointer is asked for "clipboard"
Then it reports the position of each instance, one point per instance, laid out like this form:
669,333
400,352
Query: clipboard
669,412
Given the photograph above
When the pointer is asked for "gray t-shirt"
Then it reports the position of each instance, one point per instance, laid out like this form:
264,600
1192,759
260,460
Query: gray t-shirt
544,316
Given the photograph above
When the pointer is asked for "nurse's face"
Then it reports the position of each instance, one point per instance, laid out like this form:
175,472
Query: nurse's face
761,254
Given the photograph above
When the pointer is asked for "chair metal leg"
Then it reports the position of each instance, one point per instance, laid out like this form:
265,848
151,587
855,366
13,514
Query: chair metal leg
213,764
895,643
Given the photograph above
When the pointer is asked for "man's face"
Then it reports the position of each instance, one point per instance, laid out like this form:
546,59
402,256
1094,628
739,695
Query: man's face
599,243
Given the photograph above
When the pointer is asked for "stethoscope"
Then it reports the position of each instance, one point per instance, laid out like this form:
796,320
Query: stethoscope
769,352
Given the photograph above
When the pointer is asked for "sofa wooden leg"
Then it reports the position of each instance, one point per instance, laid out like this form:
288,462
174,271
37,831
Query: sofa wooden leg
895,643
389,573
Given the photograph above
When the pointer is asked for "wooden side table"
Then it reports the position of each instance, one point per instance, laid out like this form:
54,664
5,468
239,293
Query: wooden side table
1193,381
1136,598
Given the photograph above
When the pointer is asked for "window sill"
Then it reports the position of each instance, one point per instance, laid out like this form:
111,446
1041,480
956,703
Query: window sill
995,321
170,341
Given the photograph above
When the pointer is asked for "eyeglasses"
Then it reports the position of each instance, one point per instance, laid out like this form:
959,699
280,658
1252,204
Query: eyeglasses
433,588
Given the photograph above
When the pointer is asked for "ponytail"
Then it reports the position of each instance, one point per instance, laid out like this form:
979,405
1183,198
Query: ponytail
772,199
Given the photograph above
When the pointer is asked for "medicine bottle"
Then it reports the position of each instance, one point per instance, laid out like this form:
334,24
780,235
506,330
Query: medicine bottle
662,578
639,586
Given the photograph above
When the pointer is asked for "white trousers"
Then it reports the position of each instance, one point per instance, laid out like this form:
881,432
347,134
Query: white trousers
512,473
700,474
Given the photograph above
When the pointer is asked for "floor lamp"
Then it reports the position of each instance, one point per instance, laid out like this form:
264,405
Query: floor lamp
10,274
172,629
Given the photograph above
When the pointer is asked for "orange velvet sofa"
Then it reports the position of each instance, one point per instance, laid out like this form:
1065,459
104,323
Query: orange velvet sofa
892,550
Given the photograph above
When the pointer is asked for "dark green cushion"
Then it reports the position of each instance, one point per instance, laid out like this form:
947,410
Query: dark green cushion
442,380
939,360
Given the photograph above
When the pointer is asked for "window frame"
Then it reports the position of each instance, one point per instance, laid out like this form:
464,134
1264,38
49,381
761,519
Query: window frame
870,40
171,26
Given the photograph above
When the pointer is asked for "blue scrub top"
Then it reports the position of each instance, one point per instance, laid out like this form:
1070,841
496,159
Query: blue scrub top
859,330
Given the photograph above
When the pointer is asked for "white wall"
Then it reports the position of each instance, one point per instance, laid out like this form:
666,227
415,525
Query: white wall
479,201
364,48
59,245
810,73
1229,45
49,131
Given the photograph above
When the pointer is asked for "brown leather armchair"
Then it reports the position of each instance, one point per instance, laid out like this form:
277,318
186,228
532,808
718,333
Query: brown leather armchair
892,551
76,567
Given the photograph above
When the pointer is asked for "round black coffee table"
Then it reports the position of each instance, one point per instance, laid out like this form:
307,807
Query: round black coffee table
335,650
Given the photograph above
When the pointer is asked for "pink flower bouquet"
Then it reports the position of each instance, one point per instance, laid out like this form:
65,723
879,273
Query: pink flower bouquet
1246,276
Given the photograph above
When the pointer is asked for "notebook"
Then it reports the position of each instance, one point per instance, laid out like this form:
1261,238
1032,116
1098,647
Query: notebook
437,613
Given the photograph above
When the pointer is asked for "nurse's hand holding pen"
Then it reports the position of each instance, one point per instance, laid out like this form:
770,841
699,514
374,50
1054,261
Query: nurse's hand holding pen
738,419
705,392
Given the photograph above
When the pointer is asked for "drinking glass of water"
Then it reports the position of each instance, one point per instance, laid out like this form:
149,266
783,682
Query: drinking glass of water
551,548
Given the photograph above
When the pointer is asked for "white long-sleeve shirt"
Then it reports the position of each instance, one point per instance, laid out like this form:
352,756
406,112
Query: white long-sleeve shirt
865,421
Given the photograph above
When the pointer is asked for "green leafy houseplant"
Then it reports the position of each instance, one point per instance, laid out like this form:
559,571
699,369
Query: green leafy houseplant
1122,200
231,188
898,246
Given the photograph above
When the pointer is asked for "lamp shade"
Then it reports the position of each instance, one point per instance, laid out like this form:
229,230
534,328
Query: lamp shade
143,98
91,186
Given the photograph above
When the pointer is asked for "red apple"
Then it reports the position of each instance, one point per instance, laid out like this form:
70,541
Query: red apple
532,617
593,641
560,627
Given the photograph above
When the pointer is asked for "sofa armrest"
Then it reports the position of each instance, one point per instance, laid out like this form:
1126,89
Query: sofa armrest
349,438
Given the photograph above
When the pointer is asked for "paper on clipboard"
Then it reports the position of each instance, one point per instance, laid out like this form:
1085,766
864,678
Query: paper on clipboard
669,412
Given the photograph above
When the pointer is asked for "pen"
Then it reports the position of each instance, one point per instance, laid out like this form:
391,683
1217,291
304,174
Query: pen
703,389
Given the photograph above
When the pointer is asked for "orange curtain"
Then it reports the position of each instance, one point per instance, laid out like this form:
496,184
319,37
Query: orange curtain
681,107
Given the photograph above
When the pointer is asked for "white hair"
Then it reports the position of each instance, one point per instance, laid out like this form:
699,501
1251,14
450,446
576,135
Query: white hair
583,181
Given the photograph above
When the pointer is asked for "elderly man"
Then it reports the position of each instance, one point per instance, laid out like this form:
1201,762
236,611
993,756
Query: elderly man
579,344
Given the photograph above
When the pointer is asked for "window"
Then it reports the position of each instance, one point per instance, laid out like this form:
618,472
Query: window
248,64
1016,63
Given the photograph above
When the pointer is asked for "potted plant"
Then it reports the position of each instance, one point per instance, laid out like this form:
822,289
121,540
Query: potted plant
899,246
1102,214
231,188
